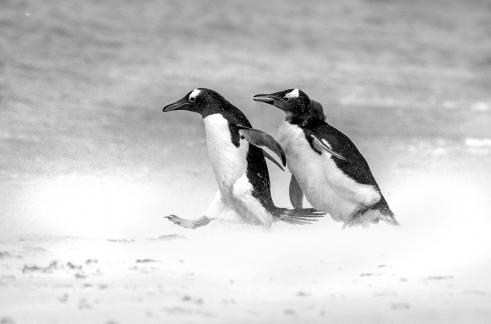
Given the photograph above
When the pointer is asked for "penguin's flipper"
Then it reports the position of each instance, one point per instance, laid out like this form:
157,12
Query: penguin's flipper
320,145
269,157
263,140
188,223
296,194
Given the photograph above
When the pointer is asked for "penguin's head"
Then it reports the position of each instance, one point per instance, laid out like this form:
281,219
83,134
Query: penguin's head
199,100
291,101
295,103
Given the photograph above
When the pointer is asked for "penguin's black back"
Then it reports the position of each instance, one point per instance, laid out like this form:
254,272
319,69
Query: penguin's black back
356,167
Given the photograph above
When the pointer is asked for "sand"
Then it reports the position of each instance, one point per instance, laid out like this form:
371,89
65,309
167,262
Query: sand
226,273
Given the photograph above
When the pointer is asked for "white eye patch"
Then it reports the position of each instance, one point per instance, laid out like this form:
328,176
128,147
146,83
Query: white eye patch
194,94
292,94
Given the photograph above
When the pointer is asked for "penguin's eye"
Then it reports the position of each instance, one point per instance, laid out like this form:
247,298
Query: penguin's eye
192,99
286,98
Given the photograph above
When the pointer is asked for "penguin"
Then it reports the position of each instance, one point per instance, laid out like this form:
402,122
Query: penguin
326,165
236,152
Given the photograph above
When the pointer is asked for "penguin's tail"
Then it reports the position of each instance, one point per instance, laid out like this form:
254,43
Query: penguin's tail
389,219
383,212
299,216
386,214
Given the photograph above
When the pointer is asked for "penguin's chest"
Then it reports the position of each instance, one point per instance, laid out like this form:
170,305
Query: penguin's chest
325,186
228,161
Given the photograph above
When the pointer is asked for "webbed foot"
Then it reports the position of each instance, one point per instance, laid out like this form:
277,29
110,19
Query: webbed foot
187,223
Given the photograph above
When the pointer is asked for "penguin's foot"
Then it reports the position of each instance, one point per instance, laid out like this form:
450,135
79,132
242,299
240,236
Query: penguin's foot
358,221
299,216
188,223
363,217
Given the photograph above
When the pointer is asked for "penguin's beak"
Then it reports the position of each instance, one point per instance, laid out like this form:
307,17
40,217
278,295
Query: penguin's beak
178,105
267,98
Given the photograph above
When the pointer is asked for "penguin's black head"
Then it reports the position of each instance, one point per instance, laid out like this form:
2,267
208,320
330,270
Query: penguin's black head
291,101
297,106
199,100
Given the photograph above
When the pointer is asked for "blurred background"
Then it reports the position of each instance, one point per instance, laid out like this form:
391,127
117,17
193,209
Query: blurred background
85,149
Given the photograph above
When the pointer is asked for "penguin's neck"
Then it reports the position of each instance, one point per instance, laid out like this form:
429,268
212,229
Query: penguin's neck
215,106
303,120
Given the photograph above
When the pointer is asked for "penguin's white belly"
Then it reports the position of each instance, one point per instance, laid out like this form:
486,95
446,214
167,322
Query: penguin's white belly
228,161
325,186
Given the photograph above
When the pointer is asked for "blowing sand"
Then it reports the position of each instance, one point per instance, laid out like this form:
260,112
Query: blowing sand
226,273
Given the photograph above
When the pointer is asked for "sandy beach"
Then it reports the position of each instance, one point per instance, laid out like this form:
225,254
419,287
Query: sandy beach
240,274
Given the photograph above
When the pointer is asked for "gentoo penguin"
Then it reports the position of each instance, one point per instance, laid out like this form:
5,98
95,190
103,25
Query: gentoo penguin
237,159
326,166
